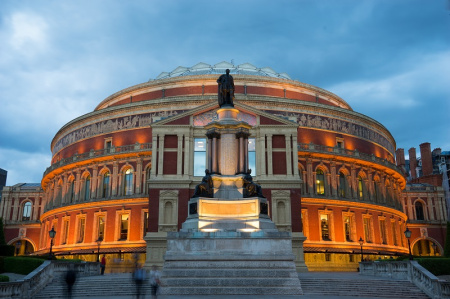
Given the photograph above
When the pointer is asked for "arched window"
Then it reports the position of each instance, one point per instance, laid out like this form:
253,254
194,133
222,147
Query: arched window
72,191
320,182
87,187
342,184
360,188
375,190
128,182
26,215
105,184
419,211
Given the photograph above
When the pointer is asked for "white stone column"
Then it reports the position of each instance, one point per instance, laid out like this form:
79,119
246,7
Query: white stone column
269,155
154,154
160,154
77,187
261,155
187,153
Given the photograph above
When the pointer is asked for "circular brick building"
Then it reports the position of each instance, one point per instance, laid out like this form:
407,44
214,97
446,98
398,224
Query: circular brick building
121,176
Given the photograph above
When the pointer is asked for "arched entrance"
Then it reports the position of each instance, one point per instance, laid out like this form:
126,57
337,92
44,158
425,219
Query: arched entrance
426,247
23,247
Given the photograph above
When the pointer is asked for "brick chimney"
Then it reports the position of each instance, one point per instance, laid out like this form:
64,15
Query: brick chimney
400,157
425,155
412,162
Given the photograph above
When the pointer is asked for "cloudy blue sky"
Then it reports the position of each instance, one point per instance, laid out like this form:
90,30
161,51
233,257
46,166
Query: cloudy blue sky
389,60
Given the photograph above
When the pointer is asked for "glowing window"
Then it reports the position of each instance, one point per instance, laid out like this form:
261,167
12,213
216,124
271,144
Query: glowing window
81,227
342,184
105,184
199,156
348,228
325,227
123,227
101,227
320,182
128,182
368,229
65,232
360,188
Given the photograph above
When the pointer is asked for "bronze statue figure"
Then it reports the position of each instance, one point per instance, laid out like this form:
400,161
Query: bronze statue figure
251,189
226,89
205,188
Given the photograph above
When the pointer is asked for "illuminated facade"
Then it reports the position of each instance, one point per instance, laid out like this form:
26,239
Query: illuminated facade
127,170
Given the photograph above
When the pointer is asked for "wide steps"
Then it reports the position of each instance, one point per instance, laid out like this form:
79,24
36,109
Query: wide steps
380,288
228,282
245,273
234,291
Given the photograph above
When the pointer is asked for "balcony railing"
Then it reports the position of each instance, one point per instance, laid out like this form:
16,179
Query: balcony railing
132,148
310,147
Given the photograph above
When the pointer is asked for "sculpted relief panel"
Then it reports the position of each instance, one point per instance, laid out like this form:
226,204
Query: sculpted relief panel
111,125
333,124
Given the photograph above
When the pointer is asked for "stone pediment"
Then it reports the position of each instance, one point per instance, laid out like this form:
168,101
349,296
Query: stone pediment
203,115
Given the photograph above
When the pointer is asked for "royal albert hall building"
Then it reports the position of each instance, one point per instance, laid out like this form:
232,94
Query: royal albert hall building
123,174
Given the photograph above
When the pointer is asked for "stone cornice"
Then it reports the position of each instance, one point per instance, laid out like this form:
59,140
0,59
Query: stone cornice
352,204
104,203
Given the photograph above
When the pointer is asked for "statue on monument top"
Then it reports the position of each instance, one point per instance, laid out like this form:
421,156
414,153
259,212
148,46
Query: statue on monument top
226,89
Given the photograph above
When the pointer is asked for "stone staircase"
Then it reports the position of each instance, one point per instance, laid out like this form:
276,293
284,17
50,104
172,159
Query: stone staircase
314,285
108,285
355,285
230,278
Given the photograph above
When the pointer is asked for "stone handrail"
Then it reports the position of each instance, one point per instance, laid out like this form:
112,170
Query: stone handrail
31,284
310,147
137,147
408,270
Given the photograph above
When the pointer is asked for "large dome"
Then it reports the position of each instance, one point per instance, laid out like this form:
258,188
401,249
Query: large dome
219,68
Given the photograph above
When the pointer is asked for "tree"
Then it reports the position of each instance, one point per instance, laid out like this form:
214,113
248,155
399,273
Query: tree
447,241
2,233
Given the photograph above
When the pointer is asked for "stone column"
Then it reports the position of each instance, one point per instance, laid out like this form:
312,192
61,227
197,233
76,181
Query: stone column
160,154
114,178
138,176
180,154
269,155
187,153
154,154
77,186
94,181
262,155
334,178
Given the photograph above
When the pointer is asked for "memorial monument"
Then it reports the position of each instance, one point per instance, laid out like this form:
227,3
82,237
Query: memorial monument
228,244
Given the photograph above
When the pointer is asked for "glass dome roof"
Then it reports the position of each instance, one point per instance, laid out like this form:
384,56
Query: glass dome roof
206,69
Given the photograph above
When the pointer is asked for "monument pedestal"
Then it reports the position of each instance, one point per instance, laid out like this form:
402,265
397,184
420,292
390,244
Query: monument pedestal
228,244
231,263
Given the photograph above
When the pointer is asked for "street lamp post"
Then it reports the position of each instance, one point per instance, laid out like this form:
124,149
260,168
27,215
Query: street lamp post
408,235
52,234
361,242
99,241
18,245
